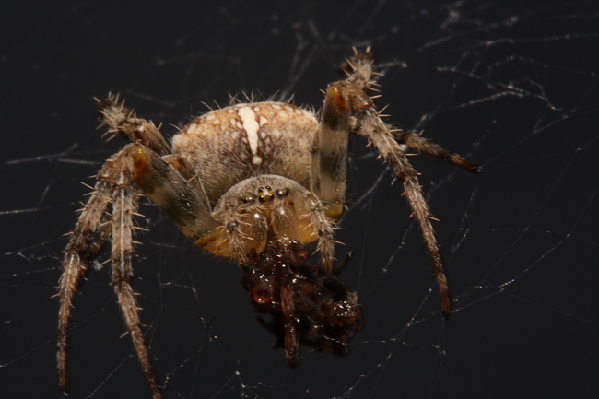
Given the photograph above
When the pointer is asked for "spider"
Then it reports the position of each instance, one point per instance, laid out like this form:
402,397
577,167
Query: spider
259,183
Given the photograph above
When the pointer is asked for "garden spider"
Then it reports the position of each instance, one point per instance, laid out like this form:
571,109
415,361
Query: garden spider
257,182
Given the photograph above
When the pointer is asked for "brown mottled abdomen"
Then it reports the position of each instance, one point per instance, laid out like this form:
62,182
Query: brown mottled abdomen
246,140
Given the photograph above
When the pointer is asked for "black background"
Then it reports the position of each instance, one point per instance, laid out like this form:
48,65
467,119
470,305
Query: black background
511,84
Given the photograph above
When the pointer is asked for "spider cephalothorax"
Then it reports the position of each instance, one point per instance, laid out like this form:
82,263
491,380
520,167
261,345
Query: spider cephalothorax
260,183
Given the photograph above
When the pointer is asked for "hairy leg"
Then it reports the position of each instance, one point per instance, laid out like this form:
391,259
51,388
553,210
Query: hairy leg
423,144
124,122
91,231
379,133
94,227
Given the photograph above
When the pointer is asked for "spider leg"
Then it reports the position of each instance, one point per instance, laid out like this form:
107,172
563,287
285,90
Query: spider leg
90,233
135,168
359,69
124,206
329,155
159,173
235,237
124,122
92,230
329,149
325,230
162,182
371,125
366,121
423,144
289,312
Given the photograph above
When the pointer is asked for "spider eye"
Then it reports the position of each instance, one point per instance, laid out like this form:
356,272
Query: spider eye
266,193
247,198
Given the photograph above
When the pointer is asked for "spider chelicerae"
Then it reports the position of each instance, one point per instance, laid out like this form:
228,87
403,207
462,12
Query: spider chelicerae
257,182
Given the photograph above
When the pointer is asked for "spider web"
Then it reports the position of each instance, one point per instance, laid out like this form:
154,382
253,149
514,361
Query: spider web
511,84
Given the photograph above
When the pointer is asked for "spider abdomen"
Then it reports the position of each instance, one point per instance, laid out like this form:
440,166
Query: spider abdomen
232,144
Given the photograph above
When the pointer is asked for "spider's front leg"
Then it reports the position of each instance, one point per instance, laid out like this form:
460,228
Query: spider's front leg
91,231
124,206
329,148
348,107
141,168
329,154
93,228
